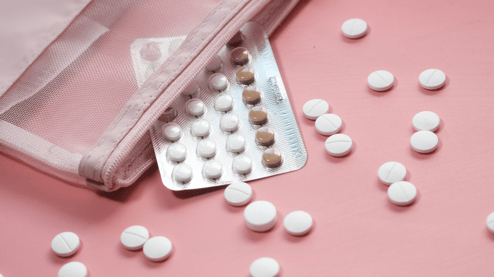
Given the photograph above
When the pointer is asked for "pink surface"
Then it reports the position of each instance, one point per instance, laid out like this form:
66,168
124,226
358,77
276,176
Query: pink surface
358,232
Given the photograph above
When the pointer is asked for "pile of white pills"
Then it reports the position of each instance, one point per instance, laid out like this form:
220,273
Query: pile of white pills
156,249
400,192
425,140
65,245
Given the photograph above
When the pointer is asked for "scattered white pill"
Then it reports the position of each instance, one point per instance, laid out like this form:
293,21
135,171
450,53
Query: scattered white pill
338,145
215,64
490,222
176,152
264,267
191,89
354,28
73,269
229,122
206,148
235,143
402,193
432,79
65,244
172,131
238,193
391,172
424,141
242,164
200,128
218,82
182,173
212,169
157,249
223,102
298,223
195,107
380,80
314,108
260,216
328,124
426,121
134,237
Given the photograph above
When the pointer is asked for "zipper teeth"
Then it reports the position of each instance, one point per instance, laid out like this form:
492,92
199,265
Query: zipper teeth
217,46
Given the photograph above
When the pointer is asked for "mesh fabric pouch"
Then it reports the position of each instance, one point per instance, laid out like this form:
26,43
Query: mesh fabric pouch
69,100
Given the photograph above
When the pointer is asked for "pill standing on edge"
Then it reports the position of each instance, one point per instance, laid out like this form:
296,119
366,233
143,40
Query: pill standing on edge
328,124
424,142
402,193
391,172
134,237
260,216
73,269
157,249
380,80
432,79
65,244
176,152
354,28
338,145
298,223
172,131
238,193
490,222
426,121
314,108
264,267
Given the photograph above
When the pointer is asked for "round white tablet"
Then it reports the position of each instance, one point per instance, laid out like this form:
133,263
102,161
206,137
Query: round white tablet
194,107
298,223
191,89
328,124
176,152
212,169
157,249
134,237
229,122
391,172
182,173
172,131
354,28
264,267
426,121
338,145
432,79
314,108
200,128
424,141
402,193
490,222
206,148
215,64
380,80
242,164
65,244
73,269
260,216
238,193
235,143
150,51
223,102
218,82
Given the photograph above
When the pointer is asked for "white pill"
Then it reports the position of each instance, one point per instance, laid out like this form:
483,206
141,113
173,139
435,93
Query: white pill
264,267
200,128
206,148
424,141
215,64
328,124
73,269
182,173
260,216
315,108
150,51
338,145
235,143
218,82
157,249
354,28
242,164
490,222
229,122
176,152
426,121
238,193
191,88
380,80
432,79
134,237
194,107
212,169
298,223
65,244
172,131
402,193
391,172
223,102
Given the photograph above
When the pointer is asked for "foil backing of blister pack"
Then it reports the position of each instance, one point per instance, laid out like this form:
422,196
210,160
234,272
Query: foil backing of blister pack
274,98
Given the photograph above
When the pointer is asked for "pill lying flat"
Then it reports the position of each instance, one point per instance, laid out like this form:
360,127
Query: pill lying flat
328,124
218,82
73,269
338,145
182,173
168,115
206,148
380,80
490,222
229,122
240,56
212,169
65,244
191,89
215,64
200,128
172,131
402,193
150,51
134,237
424,142
157,249
391,172
426,121
238,193
235,143
354,28
432,79
195,107
264,267
223,102
242,164
298,223
314,108
265,136
258,115
176,152
260,216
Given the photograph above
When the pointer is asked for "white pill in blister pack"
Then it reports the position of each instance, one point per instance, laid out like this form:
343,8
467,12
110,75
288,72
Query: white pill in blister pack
235,143
206,148
176,152
391,172
426,121
223,102
195,107
242,164
200,128
260,216
229,122
134,237
215,64
381,80
328,124
264,267
73,269
191,89
172,131
338,145
354,28
298,223
157,249
238,193
182,173
432,79
314,108
218,82
490,222
402,193
151,51
65,244
424,142
212,169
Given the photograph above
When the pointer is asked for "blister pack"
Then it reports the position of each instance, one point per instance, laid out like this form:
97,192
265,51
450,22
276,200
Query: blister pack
233,122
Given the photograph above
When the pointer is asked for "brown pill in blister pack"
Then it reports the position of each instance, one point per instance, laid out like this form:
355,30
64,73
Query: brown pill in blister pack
272,158
265,136
258,116
246,75
240,56
236,40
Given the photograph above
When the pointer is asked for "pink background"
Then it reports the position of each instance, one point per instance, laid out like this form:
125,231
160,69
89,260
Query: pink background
357,231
